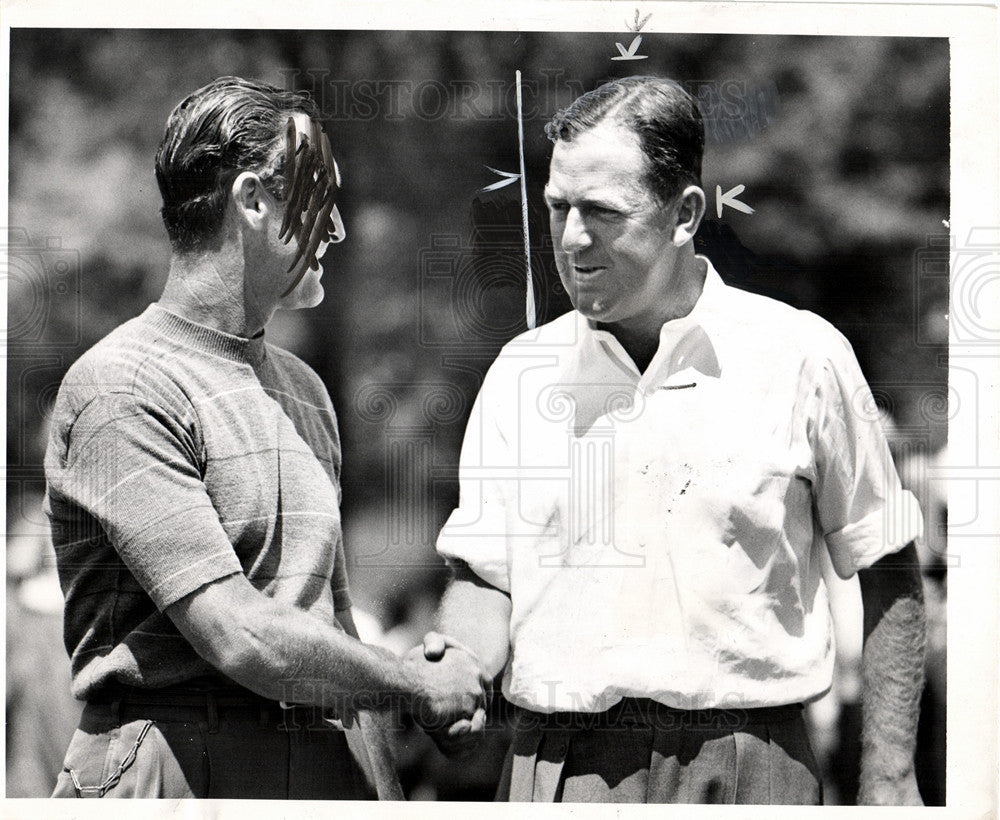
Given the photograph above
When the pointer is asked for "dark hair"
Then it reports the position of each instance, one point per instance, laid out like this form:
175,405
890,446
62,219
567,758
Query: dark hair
229,126
663,115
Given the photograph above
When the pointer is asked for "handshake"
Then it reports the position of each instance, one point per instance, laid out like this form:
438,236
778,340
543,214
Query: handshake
453,691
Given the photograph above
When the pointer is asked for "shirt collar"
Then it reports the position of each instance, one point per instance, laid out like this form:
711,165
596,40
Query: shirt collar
206,339
686,347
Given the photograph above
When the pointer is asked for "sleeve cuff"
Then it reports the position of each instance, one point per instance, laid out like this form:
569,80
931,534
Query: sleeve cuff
485,555
881,532
208,569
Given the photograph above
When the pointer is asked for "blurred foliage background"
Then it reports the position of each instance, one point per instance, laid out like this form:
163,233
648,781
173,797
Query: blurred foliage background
842,144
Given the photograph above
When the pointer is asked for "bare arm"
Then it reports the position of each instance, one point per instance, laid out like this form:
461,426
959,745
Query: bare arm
282,653
892,669
477,615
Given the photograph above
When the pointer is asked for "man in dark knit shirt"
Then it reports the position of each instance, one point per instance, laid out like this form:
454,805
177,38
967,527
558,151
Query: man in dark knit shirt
193,488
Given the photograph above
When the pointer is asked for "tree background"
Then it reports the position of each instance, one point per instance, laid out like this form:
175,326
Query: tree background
842,144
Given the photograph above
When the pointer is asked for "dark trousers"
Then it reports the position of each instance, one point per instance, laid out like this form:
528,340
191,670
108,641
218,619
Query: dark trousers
212,744
643,752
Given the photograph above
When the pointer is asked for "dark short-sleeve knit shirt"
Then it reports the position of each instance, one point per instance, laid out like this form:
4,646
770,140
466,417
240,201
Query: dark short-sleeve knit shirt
180,455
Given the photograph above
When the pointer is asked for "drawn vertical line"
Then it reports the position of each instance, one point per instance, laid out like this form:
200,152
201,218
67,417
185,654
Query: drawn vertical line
529,297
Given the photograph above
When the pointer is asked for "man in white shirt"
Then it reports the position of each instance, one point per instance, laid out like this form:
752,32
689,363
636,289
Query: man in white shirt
647,486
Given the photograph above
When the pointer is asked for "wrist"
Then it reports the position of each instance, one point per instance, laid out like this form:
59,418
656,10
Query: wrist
885,771
887,758
884,790
413,686
871,775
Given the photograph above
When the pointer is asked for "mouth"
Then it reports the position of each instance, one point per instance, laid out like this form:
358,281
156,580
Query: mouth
587,270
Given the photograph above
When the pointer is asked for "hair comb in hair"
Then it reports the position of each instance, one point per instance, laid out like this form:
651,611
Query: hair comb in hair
312,180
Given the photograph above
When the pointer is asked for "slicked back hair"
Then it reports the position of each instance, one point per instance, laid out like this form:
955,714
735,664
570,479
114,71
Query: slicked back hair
229,126
663,115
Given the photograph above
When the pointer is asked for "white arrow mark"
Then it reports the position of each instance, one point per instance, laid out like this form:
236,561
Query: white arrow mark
729,198
630,52
511,178
637,26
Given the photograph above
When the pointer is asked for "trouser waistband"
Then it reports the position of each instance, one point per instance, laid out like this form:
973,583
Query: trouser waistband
644,712
195,703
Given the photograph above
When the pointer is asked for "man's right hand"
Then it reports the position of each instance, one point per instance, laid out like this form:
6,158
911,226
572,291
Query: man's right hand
450,687
459,736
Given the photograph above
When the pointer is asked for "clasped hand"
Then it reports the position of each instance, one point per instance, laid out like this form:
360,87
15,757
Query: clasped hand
455,692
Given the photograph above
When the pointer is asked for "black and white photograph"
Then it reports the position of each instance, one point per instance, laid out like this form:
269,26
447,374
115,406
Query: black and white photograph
596,405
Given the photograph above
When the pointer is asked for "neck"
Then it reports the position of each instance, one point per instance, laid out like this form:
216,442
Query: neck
640,335
209,289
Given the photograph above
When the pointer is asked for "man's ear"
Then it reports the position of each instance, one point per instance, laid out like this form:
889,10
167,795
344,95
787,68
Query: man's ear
250,201
689,214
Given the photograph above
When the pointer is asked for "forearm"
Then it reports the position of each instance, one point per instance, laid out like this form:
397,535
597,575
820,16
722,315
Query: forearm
892,669
477,615
284,654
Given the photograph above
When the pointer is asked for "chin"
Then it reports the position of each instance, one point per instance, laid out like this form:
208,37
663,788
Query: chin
314,297
593,309
308,294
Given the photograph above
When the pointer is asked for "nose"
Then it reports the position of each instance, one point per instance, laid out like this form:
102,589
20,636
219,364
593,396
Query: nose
339,231
575,237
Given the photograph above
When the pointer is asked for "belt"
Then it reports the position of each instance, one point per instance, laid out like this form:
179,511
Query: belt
196,701
637,713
